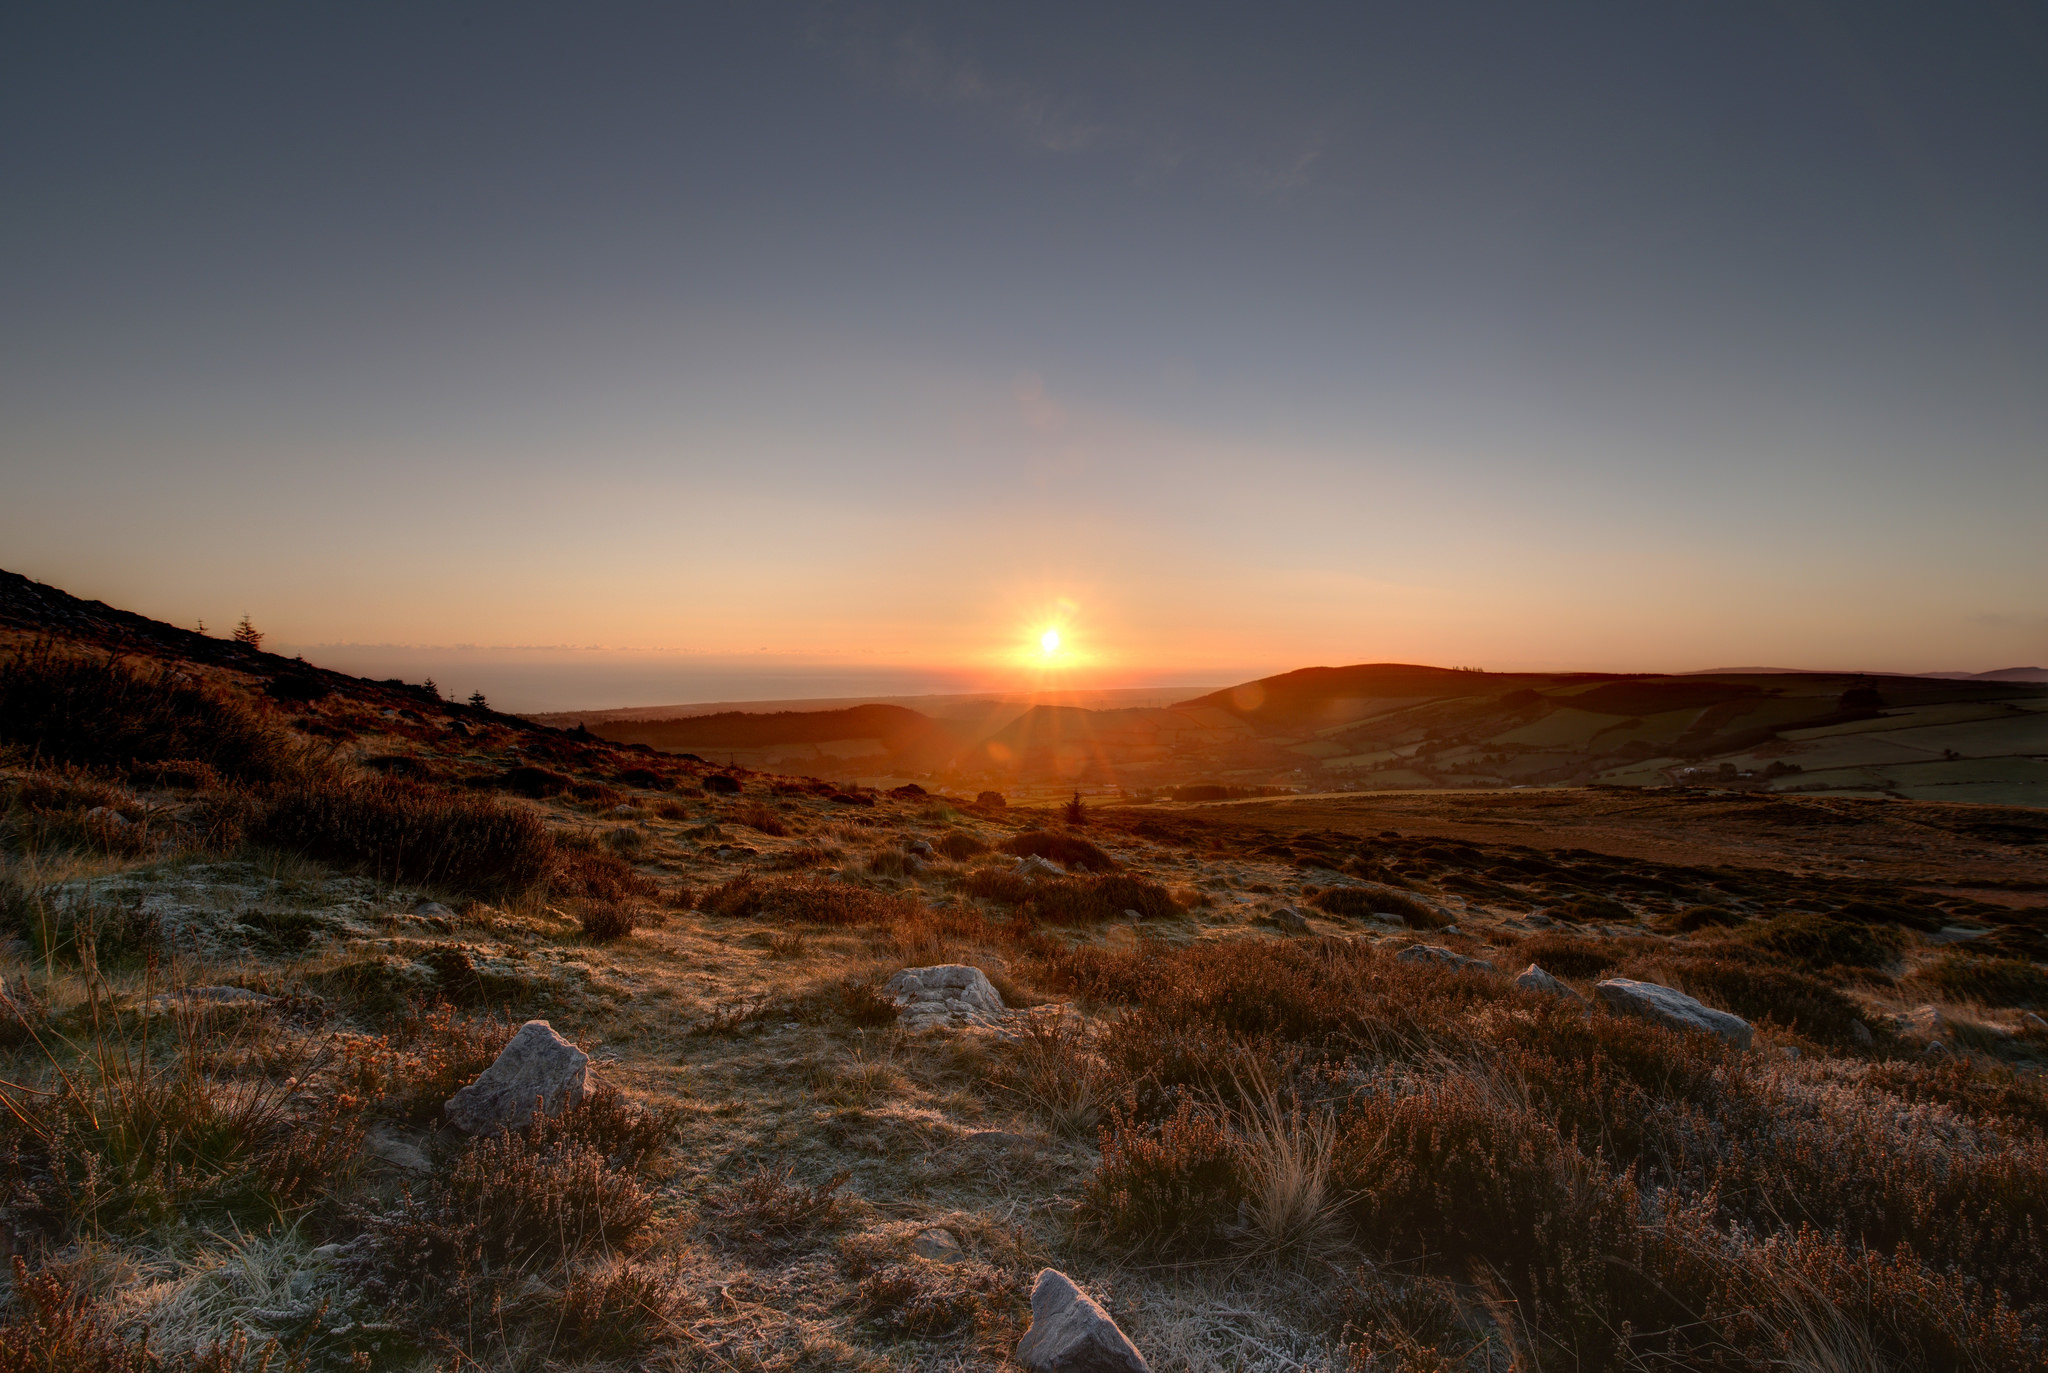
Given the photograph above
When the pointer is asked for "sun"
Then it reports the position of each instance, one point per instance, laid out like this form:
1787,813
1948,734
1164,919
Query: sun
1049,642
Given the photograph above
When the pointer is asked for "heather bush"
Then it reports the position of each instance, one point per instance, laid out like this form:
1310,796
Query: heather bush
1964,976
1819,941
580,865
1567,955
404,831
1379,899
1093,899
959,845
1068,850
96,712
769,1210
807,901
934,1301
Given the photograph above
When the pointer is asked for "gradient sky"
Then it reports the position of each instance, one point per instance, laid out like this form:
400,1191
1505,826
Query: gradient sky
849,339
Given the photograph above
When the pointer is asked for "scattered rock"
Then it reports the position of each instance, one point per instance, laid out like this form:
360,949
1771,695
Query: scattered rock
233,998
1032,867
1290,919
1860,1035
1668,1006
1922,1022
918,847
948,994
1134,915
625,809
1070,1333
1443,957
939,1245
108,816
537,1062
388,1145
1534,979
2032,1023
433,910
1936,1049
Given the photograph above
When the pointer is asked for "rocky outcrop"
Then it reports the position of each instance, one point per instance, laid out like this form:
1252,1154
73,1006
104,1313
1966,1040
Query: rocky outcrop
1071,1333
536,1065
1442,957
949,994
1670,1007
1534,979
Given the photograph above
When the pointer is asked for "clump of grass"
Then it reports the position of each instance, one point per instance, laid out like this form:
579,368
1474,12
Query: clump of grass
423,1058
1818,941
804,901
115,1138
959,845
1068,850
1965,976
604,922
1051,1063
581,866
770,1210
618,1310
1093,899
1173,1185
756,815
404,831
934,1302
57,1327
97,712
1378,899
1567,955
1695,918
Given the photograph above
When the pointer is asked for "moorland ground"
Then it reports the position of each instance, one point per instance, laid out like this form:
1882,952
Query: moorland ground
264,922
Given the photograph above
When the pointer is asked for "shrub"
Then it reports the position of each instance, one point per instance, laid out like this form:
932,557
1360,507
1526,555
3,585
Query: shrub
121,1140
1091,900
1694,918
1068,850
807,901
935,1301
1794,1000
1167,1187
996,884
98,713
605,921
1568,955
770,1210
1592,910
757,816
537,782
405,831
1990,981
959,845
582,866
1817,941
1377,899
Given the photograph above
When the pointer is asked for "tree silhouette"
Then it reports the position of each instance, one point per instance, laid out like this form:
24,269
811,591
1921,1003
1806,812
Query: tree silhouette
247,634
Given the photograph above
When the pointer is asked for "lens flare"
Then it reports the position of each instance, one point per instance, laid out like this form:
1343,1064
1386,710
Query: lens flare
1050,641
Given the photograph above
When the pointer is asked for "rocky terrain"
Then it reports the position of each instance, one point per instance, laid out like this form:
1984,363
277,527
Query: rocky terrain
347,1027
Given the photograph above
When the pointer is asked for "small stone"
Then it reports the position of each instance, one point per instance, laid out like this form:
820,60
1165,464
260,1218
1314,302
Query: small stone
938,1245
1671,1007
2033,1023
918,847
1291,920
1923,1022
1936,1049
1071,1333
107,815
536,1063
1134,915
433,910
1859,1034
387,1145
1032,867
625,809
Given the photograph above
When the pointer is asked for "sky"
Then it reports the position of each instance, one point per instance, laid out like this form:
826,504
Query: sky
611,354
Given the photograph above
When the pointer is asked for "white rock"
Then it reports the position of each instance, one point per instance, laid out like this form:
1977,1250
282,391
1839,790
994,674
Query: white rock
1070,1333
1534,979
537,1062
947,994
1668,1006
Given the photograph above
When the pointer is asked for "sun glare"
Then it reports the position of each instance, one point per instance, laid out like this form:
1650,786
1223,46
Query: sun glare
1049,642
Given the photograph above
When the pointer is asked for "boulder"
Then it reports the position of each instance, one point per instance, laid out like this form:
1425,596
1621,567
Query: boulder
1860,1035
1923,1022
1670,1007
1071,1333
536,1064
1031,867
918,847
1534,979
1290,919
1441,956
948,994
